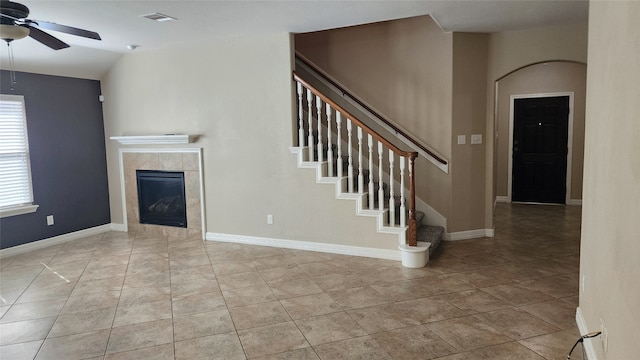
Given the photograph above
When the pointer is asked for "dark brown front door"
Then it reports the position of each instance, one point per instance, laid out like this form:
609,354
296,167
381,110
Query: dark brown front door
540,133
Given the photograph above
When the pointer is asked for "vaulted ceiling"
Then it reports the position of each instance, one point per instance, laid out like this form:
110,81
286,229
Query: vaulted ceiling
120,23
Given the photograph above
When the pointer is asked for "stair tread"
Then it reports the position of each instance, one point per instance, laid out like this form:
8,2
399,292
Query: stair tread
432,234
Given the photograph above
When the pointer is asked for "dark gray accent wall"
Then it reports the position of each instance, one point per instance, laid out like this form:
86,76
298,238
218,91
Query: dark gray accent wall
68,157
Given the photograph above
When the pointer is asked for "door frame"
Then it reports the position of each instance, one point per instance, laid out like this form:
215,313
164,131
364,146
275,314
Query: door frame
512,99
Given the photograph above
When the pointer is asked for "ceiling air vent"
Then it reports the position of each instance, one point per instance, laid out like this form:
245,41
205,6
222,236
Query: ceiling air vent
158,17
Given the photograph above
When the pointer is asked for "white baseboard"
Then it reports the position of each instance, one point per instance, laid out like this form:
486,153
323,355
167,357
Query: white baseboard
306,245
587,343
19,249
577,202
119,227
469,234
502,199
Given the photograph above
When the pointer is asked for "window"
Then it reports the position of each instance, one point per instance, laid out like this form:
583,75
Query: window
16,193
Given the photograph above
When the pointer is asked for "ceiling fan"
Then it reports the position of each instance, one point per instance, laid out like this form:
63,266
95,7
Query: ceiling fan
14,25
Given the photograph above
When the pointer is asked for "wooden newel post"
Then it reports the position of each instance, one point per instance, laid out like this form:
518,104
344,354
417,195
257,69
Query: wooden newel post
412,236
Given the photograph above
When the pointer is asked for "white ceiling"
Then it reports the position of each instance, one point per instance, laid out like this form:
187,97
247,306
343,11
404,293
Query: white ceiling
119,23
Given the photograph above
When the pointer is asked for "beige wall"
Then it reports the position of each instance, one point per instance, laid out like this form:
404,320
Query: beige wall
402,68
610,248
237,95
551,77
511,50
469,111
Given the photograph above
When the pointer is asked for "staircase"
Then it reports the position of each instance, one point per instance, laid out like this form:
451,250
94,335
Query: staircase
365,168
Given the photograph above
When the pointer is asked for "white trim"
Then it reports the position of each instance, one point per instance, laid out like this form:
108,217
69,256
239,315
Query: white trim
18,210
39,244
306,245
121,151
153,139
122,193
576,202
503,199
512,99
587,344
469,234
118,227
161,150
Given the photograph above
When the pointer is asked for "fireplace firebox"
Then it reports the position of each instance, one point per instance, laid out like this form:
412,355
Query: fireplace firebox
161,198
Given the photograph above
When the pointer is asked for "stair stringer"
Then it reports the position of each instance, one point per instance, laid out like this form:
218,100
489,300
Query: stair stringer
302,155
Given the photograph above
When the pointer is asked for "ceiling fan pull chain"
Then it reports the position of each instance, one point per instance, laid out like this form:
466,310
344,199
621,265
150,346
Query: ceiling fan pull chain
12,72
12,64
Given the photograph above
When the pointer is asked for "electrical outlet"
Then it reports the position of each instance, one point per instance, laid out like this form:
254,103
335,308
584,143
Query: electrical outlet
49,220
270,219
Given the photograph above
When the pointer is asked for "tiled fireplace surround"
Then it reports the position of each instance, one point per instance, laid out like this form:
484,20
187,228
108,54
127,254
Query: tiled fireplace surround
187,160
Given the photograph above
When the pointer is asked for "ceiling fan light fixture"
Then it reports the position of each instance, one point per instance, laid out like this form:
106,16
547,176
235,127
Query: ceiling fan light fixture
13,32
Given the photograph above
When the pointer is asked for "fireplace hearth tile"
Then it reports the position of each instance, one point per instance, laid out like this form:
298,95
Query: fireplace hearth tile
190,161
192,184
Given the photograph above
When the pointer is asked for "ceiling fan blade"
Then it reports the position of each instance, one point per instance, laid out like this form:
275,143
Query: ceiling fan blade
9,17
43,37
66,29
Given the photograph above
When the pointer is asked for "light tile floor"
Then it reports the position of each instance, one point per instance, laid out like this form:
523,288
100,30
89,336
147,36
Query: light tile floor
126,296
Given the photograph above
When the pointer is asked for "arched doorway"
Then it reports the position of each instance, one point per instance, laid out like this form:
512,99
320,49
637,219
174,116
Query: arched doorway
542,80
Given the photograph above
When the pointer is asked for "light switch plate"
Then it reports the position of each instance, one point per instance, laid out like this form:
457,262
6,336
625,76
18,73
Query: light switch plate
476,139
462,139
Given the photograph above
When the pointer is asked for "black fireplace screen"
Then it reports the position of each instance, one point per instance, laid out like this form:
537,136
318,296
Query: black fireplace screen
161,198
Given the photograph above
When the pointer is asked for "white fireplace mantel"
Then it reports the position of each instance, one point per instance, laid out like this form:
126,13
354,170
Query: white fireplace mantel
153,139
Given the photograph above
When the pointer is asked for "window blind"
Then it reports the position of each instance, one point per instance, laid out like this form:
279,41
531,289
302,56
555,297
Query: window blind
15,172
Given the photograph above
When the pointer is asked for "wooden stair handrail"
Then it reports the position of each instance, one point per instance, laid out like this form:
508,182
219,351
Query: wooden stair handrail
381,117
408,154
412,155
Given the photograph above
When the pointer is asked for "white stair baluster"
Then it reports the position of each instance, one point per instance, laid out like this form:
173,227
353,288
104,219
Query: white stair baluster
360,174
300,116
392,202
403,210
320,145
380,180
350,157
310,116
371,189
329,145
339,142
413,226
